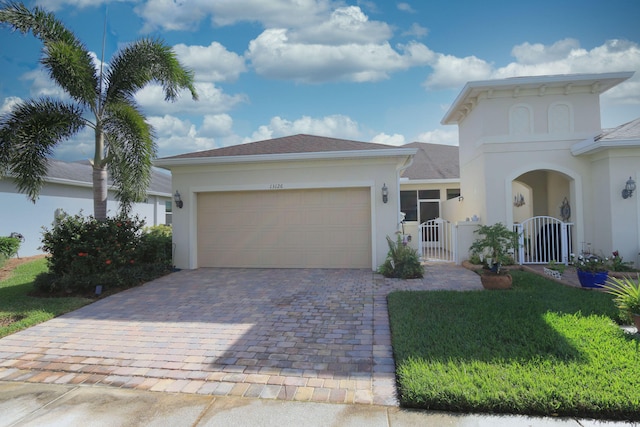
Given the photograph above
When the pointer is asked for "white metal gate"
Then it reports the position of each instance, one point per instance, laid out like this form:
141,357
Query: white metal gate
543,239
437,240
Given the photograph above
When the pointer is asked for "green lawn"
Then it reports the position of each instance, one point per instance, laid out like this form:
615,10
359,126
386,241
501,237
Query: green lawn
15,303
540,349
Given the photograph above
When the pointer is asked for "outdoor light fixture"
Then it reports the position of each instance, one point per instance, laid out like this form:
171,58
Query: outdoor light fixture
385,193
629,188
178,200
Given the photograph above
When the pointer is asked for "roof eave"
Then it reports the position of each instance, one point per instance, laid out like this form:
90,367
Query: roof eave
590,146
605,81
257,158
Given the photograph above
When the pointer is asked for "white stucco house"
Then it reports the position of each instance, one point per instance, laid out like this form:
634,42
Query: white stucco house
531,155
534,147
292,202
68,188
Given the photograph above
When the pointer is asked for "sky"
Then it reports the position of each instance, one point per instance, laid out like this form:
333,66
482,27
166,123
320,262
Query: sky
372,70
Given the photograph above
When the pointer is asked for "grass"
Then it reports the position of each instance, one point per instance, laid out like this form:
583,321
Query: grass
18,310
538,349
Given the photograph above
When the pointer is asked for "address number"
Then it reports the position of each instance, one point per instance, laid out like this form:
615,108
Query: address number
276,186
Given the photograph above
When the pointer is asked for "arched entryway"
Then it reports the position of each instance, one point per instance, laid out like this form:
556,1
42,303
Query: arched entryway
542,208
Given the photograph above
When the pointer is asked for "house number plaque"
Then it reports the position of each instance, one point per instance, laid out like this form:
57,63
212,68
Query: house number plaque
276,186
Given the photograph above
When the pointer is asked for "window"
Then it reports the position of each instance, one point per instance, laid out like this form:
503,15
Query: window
409,205
409,201
453,193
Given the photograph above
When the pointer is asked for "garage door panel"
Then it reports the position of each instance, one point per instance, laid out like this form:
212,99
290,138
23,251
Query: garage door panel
326,228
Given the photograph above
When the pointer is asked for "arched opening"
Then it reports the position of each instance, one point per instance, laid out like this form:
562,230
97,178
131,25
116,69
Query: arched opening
541,210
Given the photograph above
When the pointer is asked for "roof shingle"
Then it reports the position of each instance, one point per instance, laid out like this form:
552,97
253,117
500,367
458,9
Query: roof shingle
433,161
300,143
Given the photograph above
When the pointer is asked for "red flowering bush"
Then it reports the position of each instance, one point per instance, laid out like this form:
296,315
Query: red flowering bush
85,252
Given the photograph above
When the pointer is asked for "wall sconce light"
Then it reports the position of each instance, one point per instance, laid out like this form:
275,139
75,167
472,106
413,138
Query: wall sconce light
385,193
178,200
460,198
629,188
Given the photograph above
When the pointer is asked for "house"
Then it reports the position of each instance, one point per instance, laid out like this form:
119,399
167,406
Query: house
68,187
533,155
291,202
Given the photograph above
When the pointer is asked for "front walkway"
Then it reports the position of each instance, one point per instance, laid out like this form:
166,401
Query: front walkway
306,335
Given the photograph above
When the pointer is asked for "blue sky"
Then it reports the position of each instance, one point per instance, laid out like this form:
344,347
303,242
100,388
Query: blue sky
380,71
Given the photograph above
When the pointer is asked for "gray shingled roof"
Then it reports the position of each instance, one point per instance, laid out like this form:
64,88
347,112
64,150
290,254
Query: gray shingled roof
300,143
82,172
433,161
627,131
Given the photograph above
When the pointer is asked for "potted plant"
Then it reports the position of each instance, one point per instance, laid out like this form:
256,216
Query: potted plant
494,245
626,293
592,271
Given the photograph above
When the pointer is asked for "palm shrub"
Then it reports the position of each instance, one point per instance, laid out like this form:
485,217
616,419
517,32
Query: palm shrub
402,261
626,294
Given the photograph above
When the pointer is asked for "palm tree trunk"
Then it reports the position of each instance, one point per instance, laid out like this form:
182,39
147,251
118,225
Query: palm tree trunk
100,184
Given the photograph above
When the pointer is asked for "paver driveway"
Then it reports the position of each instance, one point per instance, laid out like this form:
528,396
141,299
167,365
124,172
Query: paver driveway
311,334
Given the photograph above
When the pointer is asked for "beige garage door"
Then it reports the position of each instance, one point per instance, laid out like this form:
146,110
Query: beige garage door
324,228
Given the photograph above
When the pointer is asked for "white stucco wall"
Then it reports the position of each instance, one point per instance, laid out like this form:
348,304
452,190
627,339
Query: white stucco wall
22,216
293,174
616,223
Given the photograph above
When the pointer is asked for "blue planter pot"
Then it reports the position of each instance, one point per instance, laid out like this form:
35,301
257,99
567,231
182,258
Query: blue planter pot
592,280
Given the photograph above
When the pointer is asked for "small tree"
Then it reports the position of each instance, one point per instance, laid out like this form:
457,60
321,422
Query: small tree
495,243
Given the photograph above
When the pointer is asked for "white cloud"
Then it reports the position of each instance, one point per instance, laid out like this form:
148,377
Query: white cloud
345,25
183,15
395,139
273,55
216,125
211,63
405,7
175,136
447,136
9,103
212,100
80,146
416,30
562,57
42,85
336,126
450,71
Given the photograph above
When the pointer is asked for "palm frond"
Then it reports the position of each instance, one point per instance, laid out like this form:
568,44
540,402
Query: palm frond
65,58
143,62
28,135
130,149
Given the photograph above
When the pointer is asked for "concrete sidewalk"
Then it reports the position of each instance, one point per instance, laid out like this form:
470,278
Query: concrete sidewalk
32,404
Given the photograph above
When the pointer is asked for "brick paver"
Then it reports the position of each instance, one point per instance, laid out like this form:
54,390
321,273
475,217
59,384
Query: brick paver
311,334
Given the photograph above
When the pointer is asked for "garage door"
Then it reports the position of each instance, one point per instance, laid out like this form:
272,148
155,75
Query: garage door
323,228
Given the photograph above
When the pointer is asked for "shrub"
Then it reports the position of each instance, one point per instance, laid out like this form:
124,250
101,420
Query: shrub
402,261
114,252
8,247
156,246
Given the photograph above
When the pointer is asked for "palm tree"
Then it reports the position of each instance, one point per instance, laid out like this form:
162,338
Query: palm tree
102,100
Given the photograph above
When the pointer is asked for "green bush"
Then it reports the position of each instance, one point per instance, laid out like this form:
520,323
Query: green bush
402,261
156,245
115,252
8,247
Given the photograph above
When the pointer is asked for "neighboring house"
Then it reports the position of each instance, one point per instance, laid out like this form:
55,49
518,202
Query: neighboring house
534,147
293,202
68,188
